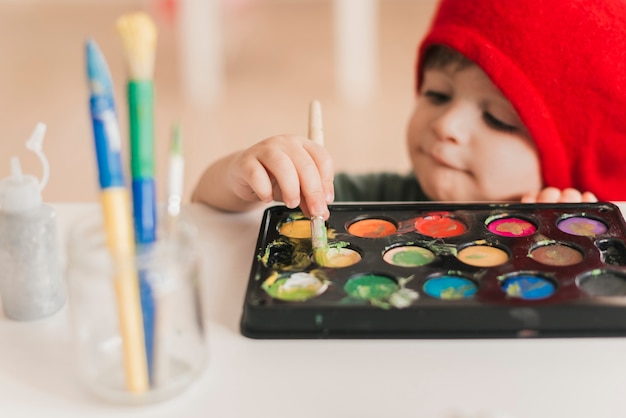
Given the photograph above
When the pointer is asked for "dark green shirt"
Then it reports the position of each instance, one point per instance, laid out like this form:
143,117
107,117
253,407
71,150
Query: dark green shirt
378,187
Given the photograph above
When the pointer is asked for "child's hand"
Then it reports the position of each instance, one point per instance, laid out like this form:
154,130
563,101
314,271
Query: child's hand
554,195
287,168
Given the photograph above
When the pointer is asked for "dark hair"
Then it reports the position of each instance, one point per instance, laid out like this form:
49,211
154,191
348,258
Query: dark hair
440,56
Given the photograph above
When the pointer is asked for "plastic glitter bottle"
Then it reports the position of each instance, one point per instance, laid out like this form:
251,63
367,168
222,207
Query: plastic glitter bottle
31,279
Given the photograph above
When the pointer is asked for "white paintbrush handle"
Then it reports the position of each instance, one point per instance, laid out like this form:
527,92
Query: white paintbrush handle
316,127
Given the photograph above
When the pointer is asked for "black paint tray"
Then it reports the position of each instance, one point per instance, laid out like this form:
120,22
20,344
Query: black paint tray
434,270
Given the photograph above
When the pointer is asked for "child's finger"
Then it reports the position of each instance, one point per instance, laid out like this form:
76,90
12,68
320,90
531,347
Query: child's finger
251,181
326,168
304,207
265,172
589,197
530,197
548,195
316,171
283,169
574,196
570,195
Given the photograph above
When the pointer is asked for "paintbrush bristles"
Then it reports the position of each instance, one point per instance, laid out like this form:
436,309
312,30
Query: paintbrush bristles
316,127
139,36
318,233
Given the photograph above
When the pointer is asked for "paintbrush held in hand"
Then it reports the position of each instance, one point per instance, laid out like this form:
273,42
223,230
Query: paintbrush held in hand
318,226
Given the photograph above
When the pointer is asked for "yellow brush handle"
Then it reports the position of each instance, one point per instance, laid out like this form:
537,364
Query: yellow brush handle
120,241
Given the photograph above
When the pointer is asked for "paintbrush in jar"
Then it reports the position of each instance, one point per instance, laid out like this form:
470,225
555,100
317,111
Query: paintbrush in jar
139,36
176,175
117,219
319,236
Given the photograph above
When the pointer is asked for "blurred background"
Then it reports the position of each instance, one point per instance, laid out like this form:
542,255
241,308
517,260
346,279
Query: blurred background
232,72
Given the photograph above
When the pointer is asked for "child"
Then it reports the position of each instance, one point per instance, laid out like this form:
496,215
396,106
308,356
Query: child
519,100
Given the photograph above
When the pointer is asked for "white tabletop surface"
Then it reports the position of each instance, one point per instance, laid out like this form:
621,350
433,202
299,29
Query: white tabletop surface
503,378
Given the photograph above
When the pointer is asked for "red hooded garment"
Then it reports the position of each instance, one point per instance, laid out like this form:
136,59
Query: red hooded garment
562,64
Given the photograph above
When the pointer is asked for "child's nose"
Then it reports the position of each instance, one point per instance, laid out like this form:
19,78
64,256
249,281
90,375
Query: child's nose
453,124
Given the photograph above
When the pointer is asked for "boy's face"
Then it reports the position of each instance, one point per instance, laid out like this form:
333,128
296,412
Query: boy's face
466,141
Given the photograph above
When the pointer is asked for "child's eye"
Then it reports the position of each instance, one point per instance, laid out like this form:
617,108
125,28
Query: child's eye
497,124
436,97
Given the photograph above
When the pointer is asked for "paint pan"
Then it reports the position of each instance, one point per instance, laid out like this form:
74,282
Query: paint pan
434,270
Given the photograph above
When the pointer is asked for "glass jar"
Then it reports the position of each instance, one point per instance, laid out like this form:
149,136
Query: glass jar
160,286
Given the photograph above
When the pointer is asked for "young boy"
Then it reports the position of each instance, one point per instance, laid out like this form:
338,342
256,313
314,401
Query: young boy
519,100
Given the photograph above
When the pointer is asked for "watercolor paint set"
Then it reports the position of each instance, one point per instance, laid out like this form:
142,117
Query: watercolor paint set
434,270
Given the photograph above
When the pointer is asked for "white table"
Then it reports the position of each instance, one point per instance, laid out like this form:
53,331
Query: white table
320,378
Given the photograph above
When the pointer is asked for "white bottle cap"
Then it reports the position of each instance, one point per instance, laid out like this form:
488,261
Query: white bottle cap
19,192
